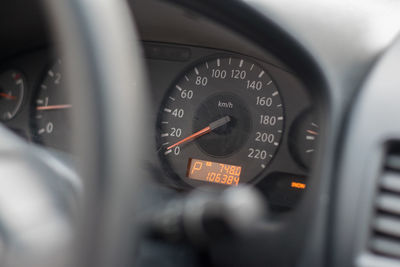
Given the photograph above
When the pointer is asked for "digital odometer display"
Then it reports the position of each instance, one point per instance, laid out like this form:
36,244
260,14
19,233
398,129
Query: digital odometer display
226,109
213,172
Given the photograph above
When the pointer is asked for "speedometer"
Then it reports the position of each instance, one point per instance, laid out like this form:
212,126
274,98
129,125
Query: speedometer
220,123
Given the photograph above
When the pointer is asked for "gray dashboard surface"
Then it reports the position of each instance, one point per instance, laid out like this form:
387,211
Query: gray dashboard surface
345,38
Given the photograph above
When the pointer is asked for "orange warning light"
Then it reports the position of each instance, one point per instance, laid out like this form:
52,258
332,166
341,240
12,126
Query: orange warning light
298,185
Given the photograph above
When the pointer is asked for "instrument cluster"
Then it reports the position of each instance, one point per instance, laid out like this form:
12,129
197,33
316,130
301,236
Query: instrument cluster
220,118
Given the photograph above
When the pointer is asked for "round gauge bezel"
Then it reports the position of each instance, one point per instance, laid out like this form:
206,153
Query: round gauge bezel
294,137
174,180
21,99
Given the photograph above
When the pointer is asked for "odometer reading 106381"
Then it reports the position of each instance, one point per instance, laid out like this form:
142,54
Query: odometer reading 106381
226,110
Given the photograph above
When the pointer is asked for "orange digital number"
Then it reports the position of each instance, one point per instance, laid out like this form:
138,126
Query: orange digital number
218,178
225,177
212,177
238,171
226,168
222,167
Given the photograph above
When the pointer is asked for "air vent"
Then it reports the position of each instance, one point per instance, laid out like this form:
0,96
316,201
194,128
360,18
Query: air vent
385,239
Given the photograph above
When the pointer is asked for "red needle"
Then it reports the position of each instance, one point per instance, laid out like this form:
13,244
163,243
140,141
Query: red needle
312,132
209,128
53,107
8,96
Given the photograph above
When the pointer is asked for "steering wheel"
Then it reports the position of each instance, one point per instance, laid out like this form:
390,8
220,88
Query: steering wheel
104,66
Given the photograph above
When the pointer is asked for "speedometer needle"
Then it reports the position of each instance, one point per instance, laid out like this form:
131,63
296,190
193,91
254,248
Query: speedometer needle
212,126
53,107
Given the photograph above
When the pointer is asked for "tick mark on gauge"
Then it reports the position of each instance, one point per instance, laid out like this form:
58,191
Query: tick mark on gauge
261,74
207,65
276,143
280,118
279,131
164,134
218,62
241,63
173,99
230,60
196,70
39,101
51,73
309,150
43,86
263,166
310,137
186,77
168,151
252,66
275,93
166,143
280,105
315,125
164,122
167,110
41,131
268,83
178,87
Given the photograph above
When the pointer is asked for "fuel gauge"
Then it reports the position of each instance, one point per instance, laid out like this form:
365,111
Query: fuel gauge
12,86
303,138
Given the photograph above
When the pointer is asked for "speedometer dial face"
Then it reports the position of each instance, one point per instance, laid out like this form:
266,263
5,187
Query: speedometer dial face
221,123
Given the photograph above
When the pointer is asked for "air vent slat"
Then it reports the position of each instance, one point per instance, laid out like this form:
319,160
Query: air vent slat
387,225
393,162
388,203
391,182
386,246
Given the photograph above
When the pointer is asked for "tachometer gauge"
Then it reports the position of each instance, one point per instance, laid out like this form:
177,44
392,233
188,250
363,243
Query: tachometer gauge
12,86
51,114
221,123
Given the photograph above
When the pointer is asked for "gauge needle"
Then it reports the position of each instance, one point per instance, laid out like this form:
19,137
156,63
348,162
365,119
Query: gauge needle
312,132
212,126
7,96
53,107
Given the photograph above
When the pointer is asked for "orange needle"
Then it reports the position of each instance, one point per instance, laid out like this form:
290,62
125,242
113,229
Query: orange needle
7,96
53,107
206,130
191,137
312,132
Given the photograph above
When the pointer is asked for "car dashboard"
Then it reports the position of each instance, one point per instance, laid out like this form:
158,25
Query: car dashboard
274,100
269,140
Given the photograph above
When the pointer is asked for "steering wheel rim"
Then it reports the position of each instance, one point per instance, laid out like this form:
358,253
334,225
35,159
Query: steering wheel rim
106,80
